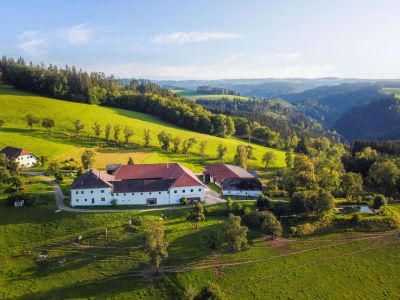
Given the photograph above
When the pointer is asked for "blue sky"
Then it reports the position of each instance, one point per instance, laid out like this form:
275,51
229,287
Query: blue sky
208,39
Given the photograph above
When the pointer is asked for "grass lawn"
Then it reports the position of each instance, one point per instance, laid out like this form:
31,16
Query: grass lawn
214,187
113,265
395,91
62,143
193,95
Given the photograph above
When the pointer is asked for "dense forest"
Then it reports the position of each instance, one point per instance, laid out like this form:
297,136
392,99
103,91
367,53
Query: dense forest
276,114
210,90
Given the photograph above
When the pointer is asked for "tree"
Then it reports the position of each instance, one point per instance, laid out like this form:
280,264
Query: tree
117,130
130,161
53,166
164,139
156,245
351,184
188,144
240,158
176,144
4,175
146,137
385,176
107,131
211,291
127,133
297,203
31,120
230,126
48,123
262,202
323,202
78,126
1,123
268,158
379,200
97,129
87,159
229,204
250,150
203,145
235,235
271,225
289,158
15,182
221,151
197,214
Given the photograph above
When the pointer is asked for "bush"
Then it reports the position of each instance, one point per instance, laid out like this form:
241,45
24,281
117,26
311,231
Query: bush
59,177
379,201
262,202
29,200
356,217
114,202
237,208
183,201
210,292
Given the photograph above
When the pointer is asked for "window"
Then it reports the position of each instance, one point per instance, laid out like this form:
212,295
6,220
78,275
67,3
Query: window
77,192
116,194
102,191
133,194
91,192
77,200
150,193
86,200
103,199
199,190
124,194
191,190
151,201
183,191
141,193
81,192
175,192
159,193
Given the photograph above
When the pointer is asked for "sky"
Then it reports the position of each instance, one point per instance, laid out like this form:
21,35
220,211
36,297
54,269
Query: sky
219,39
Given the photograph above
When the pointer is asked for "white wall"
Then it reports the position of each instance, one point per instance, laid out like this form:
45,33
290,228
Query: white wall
84,196
26,160
241,193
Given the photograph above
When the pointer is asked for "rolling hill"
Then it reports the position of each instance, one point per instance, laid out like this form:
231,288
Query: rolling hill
193,95
62,143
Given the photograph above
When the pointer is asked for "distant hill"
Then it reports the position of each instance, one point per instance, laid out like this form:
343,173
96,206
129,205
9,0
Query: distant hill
378,120
193,95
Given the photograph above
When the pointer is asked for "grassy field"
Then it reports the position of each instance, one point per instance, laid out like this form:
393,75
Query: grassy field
62,143
193,95
333,266
395,91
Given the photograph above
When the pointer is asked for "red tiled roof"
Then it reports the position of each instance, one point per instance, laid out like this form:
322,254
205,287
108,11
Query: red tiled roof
13,153
222,171
174,171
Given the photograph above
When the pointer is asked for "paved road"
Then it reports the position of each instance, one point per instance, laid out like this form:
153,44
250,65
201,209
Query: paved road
212,197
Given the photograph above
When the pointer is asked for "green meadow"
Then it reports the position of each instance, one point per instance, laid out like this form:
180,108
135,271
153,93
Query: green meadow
62,143
193,95
395,91
115,265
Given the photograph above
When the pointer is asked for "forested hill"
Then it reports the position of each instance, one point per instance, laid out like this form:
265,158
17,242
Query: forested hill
378,120
328,103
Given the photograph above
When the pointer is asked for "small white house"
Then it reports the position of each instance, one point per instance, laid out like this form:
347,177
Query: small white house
23,157
143,184
233,180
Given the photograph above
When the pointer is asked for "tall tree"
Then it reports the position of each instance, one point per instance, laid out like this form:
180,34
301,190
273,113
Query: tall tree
147,138
268,158
385,175
31,120
203,145
78,126
351,184
48,123
271,225
235,235
117,130
107,131
197,214
127,133
188,144
156,244
240,158
87,159
176,144
164,139
97,129
289,158
221,151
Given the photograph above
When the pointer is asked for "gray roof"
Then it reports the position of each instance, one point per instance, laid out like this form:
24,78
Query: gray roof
92,180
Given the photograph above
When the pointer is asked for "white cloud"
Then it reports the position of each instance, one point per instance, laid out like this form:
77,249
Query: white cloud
231,67
77,35
180,38
33,43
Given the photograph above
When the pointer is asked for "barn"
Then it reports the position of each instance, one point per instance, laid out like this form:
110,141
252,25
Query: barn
233,180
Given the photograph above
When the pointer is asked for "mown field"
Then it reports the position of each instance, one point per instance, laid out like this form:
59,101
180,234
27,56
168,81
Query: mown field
193,95
62,143
333,266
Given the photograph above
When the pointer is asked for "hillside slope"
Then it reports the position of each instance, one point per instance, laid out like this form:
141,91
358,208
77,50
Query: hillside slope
15,105
376,120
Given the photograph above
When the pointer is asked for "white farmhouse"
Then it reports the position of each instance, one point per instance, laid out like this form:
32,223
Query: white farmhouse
23,157
233,180
143,184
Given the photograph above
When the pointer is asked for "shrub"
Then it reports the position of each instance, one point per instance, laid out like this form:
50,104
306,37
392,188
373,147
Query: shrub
237,208
262,202
356,218
114,202
211,291
183,201
379,201
270,225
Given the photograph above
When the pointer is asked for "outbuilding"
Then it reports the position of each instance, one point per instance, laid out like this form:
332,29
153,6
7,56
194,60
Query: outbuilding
233,180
